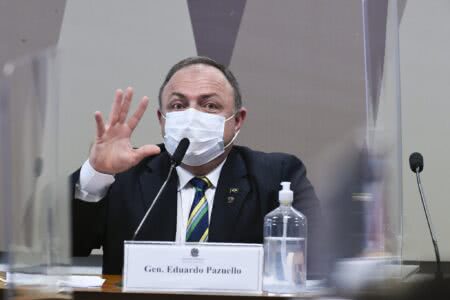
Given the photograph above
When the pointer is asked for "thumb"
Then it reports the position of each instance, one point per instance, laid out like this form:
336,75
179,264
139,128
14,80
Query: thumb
146,150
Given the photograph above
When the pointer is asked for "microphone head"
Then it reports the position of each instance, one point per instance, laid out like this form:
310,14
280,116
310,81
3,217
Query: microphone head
179,153
416,162
38,166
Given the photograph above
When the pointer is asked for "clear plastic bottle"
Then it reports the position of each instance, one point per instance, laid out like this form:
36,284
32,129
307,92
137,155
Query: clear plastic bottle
285,233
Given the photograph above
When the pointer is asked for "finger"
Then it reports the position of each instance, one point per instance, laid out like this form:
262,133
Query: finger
115,109
136,117
100,123
145,151
126,105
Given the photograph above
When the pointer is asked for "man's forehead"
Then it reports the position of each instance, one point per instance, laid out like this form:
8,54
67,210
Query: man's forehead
200,69
198,74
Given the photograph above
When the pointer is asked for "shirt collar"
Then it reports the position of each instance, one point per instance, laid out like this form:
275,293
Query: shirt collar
184,176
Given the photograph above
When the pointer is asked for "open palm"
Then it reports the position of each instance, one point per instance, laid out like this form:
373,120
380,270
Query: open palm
112,151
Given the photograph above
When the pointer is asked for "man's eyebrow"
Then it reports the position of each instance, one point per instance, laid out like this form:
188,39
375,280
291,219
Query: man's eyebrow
207,96
203,97
180,95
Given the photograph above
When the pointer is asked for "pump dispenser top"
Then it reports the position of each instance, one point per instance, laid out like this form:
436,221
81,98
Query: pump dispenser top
286,195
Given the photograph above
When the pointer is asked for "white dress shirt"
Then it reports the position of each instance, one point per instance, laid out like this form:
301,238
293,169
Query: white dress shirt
93,186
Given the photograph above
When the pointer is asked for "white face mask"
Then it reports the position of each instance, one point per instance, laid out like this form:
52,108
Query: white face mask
204,131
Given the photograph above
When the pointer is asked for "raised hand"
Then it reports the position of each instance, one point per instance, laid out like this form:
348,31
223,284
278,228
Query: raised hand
112,151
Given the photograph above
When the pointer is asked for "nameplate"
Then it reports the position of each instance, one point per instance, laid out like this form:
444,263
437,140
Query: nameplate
205,267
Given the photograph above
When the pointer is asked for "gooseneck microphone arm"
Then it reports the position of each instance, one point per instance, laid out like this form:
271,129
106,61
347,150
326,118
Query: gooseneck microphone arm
176,159
172,166
430,226
416,165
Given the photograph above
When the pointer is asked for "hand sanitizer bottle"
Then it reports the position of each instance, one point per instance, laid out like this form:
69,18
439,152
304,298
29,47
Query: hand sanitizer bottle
285,233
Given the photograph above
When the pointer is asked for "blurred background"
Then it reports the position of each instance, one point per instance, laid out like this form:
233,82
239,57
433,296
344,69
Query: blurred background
320,80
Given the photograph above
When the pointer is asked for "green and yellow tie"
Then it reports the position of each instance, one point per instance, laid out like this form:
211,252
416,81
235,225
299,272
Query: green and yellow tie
197,226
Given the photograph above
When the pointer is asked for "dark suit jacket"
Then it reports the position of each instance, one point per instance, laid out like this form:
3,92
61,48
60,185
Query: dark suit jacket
256,175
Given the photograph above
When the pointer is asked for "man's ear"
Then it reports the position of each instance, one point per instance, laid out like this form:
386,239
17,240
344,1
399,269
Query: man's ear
239,118
161,121
160,118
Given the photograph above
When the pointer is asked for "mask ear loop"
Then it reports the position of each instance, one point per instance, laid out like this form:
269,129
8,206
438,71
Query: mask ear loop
231,117
235,135
232,140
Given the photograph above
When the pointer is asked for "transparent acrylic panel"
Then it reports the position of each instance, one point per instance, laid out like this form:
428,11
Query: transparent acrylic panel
34,195
320,80
385,213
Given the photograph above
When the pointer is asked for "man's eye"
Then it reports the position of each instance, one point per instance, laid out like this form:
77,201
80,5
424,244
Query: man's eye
211,106
177,106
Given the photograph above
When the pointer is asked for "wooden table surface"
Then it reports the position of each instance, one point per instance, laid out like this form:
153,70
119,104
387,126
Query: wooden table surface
112,290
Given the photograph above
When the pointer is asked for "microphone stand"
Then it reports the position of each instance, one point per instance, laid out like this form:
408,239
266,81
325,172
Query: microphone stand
172,166
438,274
176,159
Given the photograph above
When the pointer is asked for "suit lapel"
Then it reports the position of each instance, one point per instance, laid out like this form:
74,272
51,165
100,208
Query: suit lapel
161,222
232,189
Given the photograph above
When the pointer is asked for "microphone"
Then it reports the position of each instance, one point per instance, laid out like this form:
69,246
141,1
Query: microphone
416,165
416,162
38,166
179,153
175,160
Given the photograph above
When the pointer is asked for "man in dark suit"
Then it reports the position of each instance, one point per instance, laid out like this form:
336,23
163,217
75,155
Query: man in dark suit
220,192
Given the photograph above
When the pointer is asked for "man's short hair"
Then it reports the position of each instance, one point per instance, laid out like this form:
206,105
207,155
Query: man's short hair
203,60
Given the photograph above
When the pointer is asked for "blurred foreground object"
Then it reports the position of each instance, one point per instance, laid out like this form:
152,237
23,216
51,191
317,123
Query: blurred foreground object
35,217
417,290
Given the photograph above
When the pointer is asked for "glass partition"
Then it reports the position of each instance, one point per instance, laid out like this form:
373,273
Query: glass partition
319,78
35,207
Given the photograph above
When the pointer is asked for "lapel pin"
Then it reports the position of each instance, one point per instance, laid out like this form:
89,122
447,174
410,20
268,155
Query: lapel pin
234,190
230,199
